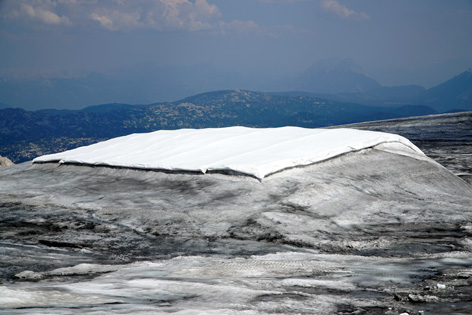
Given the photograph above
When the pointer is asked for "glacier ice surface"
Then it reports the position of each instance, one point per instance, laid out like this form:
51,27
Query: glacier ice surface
359,233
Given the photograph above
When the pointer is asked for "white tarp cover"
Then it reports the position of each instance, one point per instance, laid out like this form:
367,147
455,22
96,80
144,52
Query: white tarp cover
253,151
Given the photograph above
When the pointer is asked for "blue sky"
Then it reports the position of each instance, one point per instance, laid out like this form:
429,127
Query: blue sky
396,42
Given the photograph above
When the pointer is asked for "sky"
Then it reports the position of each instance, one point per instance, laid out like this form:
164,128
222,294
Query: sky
396,42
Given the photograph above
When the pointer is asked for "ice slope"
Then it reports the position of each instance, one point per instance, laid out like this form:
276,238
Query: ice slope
251,151
365,232
371,232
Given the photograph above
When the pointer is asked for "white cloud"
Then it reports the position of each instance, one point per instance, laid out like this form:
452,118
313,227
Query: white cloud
115,15
116,18
342,11
129,15
39,13
183,15
156,14
104,21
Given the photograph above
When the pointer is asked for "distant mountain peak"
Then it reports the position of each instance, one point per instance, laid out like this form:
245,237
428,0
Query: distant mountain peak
335,75
455,93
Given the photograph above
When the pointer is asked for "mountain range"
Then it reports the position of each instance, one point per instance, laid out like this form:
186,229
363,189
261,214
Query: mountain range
334,79
452,95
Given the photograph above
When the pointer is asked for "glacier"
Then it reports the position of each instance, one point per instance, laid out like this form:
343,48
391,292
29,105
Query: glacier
372,227
251,151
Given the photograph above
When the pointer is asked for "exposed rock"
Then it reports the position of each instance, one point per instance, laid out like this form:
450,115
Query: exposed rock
4,161
417,298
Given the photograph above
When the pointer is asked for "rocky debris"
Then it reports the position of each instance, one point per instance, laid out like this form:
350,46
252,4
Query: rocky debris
417,298
4,161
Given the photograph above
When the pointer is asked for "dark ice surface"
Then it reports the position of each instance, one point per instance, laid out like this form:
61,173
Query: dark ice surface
370,232
446,138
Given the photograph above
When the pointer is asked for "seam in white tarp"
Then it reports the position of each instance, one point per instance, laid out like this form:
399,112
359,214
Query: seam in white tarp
253,151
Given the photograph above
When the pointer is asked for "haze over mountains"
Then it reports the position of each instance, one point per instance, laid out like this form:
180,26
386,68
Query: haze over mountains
337,79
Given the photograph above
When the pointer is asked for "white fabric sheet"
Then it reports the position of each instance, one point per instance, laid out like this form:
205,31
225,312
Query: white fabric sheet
254,151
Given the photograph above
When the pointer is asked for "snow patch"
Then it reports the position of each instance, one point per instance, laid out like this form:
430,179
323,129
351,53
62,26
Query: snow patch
81,269
29,298
251,151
